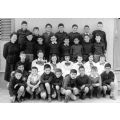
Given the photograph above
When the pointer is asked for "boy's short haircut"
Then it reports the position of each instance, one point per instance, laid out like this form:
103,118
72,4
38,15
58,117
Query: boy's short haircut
18,71
86,26
74,25
22,52
39,51
20,64
14,33
100,22
81,67
29,33
67,37
48,25
53,36
98,35
47,66
36,28
87,36
107,65
79,56
90,54
61,24
94,68
58,70
24,22
40,37
76,38
73,71
34,68
67,55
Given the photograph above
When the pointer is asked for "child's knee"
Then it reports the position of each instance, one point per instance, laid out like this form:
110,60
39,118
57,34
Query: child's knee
68,92
86,90
12,99
112,84
75,91
104,88
43,95
47,85
62,91
21,89
57,87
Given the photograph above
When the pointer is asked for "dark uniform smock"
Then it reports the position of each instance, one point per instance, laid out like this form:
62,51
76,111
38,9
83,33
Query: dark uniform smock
11,54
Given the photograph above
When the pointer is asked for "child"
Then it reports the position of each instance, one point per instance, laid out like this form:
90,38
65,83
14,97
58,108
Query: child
75,50
74,34
95,80
101,33
87,48
54,46
69,86
16,87
99,48
61,34
82,82
54,62
88,65
66,65
87,32
57,83
108,84
26,63
64,48
101,64
35,34
47,36
28,47
33,83
22,33
78,63
39,46
46,80
39,62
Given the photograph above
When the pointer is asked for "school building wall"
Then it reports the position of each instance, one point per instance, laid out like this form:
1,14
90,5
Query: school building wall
40,22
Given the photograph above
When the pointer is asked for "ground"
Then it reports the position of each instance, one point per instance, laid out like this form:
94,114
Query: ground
4,98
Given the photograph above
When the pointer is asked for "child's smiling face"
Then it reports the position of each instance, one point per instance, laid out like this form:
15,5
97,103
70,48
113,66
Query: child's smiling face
53,39
75,28
98,39
79,59
86,38
18,75
66,41
40,41
29,37
73,75
76,41
47,70
58,74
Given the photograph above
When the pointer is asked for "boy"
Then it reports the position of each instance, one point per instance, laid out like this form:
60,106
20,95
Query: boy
64,48
46,80
33,83
61,34
21,33
47,36
39,46
74,34
78,63
28,47
87,32
66,65
57,83
82,82
88,65
39,62
69,86
35,34
26,63
101,33
87,48
95,80
16,87
101,64
53,46
108,84
99,48
75,50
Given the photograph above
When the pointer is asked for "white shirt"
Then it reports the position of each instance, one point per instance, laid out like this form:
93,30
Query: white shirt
88,67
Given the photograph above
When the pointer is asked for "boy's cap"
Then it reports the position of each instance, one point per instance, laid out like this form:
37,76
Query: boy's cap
73,71
58,70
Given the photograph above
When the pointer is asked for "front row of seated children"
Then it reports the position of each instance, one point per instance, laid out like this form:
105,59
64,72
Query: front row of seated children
54,86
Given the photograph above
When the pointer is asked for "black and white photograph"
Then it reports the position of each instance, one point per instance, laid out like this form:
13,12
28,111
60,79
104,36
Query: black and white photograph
59,60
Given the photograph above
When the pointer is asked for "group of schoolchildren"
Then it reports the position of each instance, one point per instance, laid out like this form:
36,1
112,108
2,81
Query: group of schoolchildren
58,66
